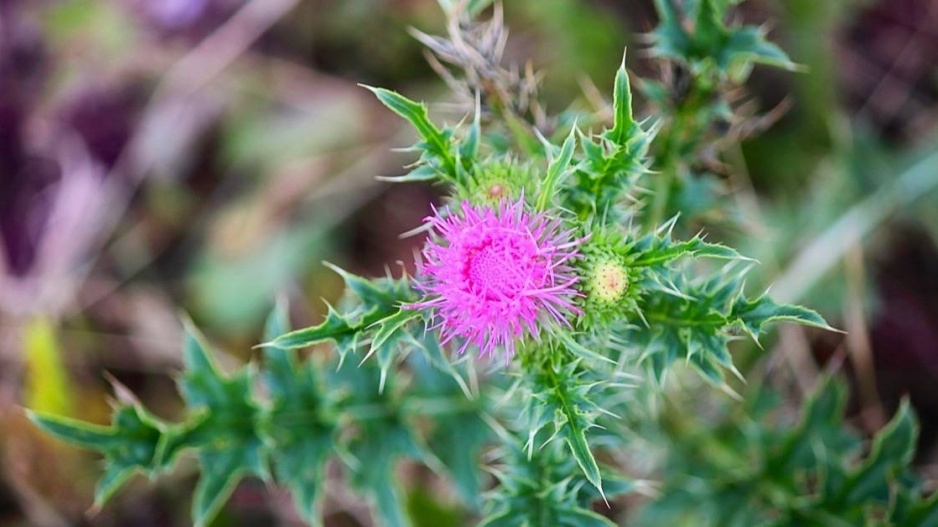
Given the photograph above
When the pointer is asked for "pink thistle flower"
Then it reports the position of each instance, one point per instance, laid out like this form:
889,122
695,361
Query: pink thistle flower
492,276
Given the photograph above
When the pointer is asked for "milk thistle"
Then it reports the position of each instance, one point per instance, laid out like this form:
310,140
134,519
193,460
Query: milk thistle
491,276
551,246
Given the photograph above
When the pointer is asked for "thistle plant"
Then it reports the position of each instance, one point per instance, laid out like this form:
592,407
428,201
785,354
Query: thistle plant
552,300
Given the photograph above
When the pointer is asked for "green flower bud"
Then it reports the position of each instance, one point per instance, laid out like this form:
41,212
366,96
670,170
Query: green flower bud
498,180
606,280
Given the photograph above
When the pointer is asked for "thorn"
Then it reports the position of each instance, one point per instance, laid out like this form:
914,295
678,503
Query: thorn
122,392
731,392
603,494
94,510
383,380
737,373
372,89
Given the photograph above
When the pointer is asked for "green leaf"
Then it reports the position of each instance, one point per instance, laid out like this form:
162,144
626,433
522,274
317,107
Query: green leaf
534,491
222,470
388,337
383,436
130,445
561,398
458,435
730,49
913,511
656,250
694,320
376,292
613,162
670,38
581,351
470,147
436,144
583,518
227,436
753,467
819,434
336,327
389,327
417,175
623,123
375,300
892,450
753,314
301,425
558,170
574,428
749,44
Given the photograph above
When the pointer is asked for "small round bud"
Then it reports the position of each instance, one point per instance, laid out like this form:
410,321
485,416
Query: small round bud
497,180
605,280
609,281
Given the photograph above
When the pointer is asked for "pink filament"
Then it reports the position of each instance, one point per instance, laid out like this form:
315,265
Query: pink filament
491,275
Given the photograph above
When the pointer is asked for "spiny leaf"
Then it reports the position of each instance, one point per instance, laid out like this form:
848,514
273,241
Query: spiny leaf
375,292
728,48
417,175
335,328
657,250
560,398
892,450
558,169
227,435
470,147
623,122
613,162
389,327
694,320
222,470
752,468
301,424
580,350
535,491
436,143
376,300
458,437
670,37
130,445
750,43
753,314
911,510
383,436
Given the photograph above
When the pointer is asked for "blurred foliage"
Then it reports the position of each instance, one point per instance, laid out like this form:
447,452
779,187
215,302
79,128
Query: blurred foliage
265,171
748,467
562,380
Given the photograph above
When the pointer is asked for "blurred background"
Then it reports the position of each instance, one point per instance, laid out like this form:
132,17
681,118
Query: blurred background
203,156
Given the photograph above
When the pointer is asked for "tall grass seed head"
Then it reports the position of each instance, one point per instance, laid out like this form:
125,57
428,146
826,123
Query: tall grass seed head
492,277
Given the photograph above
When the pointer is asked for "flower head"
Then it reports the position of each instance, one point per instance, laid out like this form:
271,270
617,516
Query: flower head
491,276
